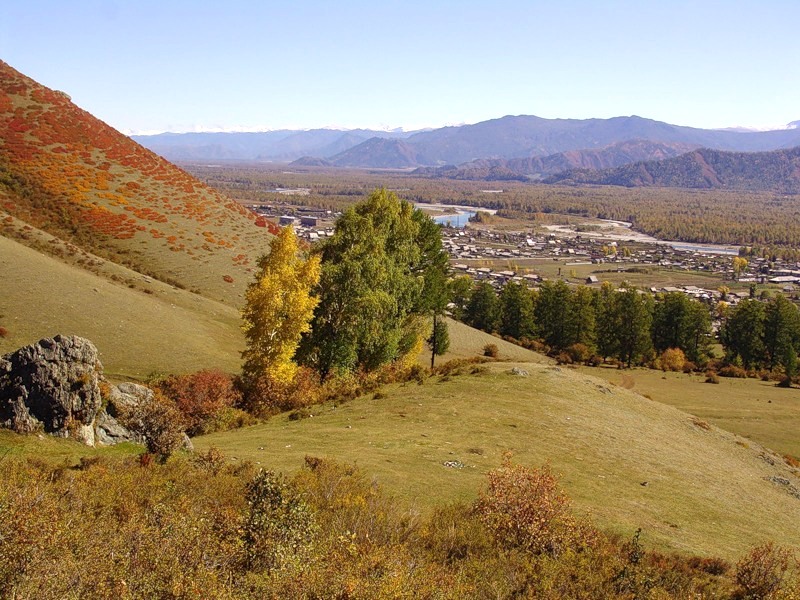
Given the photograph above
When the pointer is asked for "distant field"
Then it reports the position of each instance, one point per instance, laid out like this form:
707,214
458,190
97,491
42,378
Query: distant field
705,492
572,270
752,408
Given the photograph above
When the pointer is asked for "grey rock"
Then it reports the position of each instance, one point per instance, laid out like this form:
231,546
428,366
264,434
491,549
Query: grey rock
127,396
109,431
519,372
52,385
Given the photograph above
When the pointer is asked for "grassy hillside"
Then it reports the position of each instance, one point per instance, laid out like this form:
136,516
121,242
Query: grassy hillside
466,342
148,327
707,491
65,171
752,408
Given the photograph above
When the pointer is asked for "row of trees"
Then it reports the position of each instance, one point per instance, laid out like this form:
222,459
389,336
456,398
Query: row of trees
763,335
632,326
625,324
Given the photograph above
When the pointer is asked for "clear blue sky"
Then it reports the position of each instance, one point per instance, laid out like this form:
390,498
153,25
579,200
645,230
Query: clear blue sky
180,65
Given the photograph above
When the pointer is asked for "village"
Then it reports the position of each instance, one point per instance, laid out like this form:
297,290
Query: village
531,257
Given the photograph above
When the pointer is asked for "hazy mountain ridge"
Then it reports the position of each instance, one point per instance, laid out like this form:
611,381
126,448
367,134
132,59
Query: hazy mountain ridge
505,138
536,167
778,171
281,145
380,153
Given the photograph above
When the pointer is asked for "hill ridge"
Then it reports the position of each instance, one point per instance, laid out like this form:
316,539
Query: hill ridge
704,168
69,173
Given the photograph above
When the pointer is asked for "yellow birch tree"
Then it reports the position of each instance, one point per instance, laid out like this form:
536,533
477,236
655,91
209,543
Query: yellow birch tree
278,309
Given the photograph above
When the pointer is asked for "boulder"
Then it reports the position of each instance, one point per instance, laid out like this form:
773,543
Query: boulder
52,385
109,431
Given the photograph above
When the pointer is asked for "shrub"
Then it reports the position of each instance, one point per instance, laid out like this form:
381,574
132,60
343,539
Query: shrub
159,421
524,508
535,345
279,526
689,367
579,353
3,332
202,397
759,575
267,395
791,461
564,358
672,359
711,377
595,360
733,371
710,565
491,350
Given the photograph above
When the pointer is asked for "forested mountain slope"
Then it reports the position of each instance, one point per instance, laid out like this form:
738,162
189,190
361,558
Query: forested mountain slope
777,171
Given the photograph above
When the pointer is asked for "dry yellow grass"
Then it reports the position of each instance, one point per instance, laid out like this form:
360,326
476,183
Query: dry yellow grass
136,332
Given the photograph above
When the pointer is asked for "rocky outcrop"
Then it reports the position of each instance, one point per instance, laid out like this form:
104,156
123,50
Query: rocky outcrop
123,400
56,385
52,385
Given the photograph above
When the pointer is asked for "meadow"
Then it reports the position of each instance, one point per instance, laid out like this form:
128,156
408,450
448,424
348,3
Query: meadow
627,461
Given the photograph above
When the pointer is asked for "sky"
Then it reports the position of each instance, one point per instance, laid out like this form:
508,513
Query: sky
148,66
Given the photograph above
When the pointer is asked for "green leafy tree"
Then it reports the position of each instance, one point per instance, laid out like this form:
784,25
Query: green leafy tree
439,340
743,333
680,322
581,318
516,311
380,274
781,329
633,315
278,309
483,308
552,314
606,338
460,288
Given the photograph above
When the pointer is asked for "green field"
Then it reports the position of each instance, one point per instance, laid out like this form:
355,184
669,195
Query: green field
707,491
752,408
149,327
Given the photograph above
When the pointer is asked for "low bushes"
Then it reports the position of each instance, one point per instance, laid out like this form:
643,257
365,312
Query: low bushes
207,399
203,527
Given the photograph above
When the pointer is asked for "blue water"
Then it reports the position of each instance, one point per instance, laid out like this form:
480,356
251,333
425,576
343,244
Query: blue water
459,219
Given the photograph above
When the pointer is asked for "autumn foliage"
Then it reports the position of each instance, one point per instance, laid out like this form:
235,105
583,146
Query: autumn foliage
525,508
278,310
74,176
202,398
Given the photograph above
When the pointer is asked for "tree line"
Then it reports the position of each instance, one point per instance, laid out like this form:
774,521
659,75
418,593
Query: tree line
583,324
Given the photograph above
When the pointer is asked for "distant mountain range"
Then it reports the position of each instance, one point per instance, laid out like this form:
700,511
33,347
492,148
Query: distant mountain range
777,171
537,167
277,146
601,143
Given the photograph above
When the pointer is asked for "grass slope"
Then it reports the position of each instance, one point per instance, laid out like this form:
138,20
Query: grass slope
752,408
136,333
707,491
466,342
